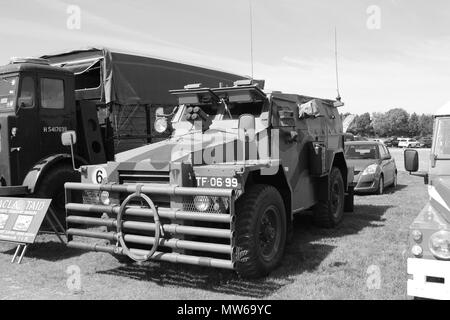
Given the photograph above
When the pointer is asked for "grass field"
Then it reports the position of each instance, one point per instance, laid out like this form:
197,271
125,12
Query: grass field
319,264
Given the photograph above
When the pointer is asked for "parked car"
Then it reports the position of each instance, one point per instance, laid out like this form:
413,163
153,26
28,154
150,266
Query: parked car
349,137
408,143
374,167
426,142
391,142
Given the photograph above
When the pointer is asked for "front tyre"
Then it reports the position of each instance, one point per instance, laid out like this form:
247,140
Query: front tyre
52,187
329,213
260,231
380,190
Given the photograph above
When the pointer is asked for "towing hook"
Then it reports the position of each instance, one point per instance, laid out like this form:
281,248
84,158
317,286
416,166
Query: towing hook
121,235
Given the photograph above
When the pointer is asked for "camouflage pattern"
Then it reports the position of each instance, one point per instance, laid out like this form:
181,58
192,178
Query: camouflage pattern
295,143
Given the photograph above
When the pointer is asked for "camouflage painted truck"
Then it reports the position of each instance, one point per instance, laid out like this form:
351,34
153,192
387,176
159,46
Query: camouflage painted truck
429,239
223,189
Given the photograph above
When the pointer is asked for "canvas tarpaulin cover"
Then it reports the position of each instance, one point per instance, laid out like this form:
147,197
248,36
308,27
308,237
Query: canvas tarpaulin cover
129,79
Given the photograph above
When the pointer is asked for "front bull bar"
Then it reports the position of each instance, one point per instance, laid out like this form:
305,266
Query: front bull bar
163,233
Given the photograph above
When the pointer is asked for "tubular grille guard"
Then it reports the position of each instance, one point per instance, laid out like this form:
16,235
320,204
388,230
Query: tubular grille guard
187,236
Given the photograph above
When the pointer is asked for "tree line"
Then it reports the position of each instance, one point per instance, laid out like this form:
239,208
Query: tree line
396,122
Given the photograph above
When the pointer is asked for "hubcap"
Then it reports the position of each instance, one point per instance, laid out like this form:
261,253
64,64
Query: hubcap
269,233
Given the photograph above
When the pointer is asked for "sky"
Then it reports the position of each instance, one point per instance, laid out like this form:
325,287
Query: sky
391,53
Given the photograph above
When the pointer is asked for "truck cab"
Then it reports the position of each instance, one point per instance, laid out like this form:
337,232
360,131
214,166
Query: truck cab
37,104
429,240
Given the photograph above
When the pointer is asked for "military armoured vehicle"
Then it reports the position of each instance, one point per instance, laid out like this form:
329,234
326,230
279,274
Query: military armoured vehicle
429,240
223,189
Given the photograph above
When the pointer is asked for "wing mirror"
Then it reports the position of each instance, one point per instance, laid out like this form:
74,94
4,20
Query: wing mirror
411,160
25,102
412,164
68,139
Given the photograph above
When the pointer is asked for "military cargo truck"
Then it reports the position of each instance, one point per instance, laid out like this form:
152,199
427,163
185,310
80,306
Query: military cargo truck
108,97
222,191
429,239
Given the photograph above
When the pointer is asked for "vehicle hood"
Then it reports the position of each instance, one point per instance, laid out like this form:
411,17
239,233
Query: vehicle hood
439,192
178,148
361,164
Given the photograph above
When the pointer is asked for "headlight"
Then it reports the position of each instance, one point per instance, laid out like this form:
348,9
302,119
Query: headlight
202,203
416,235
417,250
440,245
161,125
104,198
370,169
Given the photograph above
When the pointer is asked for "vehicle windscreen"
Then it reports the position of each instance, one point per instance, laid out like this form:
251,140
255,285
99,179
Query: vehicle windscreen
8,91
235,110
238,109
361,152
442,146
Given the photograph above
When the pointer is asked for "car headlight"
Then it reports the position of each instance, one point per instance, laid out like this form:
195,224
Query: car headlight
417,250
440,244
416,235
202,203
104,198
161,125
370,169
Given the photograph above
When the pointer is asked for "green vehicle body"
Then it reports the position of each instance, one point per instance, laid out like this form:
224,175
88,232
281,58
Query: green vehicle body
429,240
244,143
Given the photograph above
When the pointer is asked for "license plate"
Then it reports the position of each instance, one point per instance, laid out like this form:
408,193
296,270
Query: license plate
218,182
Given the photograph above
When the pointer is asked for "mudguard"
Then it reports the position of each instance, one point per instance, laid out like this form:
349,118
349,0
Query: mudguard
39,170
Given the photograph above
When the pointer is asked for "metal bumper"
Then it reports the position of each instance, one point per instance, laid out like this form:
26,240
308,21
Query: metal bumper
430,278
187,236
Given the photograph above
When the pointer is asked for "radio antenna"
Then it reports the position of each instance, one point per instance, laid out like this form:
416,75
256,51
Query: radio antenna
251,35
336,61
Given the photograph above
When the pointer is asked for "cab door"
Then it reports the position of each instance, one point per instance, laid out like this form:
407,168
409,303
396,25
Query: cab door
56,114
387,165
25,146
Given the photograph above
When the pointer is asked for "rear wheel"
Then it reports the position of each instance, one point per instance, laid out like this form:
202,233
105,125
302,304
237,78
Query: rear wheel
395,183
260,231
329,213
52,187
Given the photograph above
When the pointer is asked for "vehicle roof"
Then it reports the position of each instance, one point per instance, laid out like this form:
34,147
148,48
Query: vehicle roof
27,66
365,143
444,110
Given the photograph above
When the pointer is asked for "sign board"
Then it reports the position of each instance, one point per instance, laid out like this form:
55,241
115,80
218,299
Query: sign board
21,218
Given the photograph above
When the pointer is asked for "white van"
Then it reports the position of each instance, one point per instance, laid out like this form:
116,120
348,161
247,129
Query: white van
408,143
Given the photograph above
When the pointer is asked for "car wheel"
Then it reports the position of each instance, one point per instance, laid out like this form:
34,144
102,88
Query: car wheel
394,184
381,185
260,231
52,187
329,213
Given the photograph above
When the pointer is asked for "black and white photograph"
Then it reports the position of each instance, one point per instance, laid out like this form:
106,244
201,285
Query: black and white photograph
222,155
